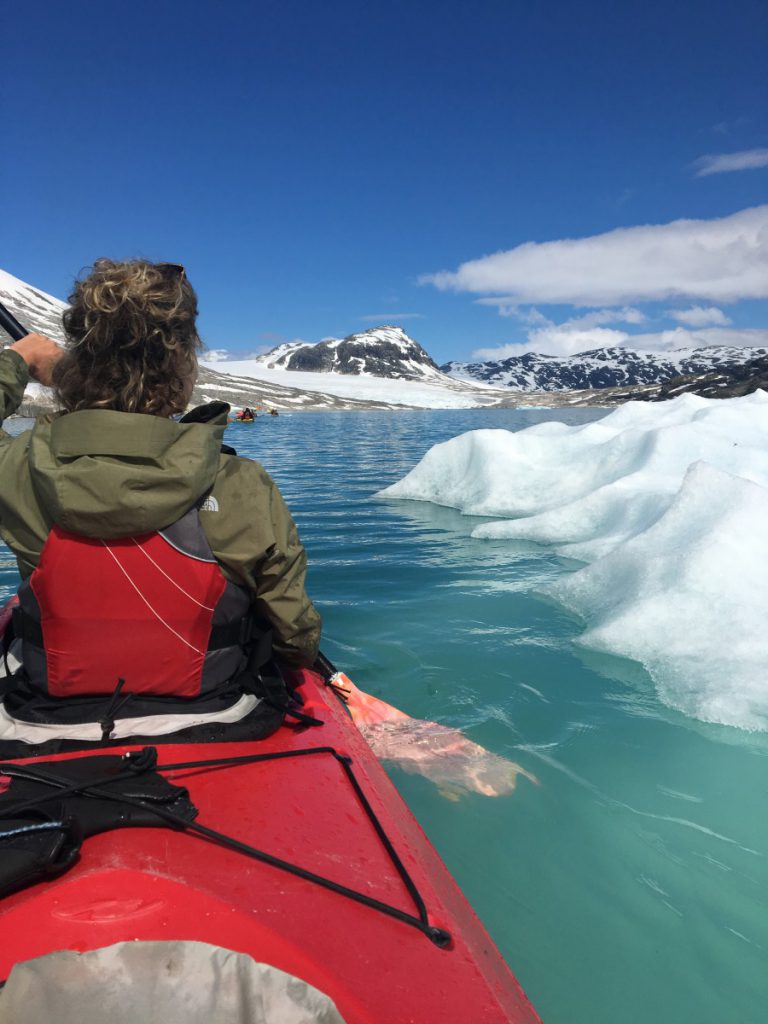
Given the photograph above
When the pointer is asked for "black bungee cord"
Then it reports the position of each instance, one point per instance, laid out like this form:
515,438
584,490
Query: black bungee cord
146,760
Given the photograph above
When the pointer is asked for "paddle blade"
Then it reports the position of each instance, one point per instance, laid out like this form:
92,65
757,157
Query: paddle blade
440,753
365,709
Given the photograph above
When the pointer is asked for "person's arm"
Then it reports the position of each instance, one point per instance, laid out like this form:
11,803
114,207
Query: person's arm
40,354
280,593
255,540
34,356
14,376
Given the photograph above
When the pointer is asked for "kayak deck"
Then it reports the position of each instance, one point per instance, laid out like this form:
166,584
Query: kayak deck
151,884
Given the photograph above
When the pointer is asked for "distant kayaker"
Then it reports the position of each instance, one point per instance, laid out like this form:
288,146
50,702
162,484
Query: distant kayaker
159,574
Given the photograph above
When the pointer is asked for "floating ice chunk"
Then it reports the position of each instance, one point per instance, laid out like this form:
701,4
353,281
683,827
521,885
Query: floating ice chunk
590,527
654,462
667,501
641,451
497,473
688,598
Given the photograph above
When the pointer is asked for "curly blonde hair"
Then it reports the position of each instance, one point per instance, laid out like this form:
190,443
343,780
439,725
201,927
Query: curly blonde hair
131,339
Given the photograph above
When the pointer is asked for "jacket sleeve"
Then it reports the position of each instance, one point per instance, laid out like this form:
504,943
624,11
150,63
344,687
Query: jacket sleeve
280,593
255,540
14,376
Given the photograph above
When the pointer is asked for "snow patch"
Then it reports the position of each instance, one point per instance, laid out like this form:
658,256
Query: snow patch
393,391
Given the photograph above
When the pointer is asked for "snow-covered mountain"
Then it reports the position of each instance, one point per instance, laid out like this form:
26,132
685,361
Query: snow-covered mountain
385,351
253,384
31,307
727,382
602,368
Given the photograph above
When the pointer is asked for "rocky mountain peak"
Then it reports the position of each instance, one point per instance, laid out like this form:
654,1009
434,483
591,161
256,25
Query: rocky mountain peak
615,367
384,351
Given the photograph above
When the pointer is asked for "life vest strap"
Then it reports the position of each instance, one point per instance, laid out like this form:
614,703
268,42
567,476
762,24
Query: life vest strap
25,627
249,631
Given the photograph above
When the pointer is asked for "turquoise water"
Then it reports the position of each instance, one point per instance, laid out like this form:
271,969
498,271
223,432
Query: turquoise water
631,884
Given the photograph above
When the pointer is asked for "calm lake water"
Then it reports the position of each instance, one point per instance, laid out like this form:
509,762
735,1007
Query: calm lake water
631,885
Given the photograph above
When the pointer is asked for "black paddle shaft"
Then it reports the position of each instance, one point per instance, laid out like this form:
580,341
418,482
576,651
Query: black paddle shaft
325,667
9,323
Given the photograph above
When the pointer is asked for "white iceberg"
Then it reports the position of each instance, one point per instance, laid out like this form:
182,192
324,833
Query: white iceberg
668,504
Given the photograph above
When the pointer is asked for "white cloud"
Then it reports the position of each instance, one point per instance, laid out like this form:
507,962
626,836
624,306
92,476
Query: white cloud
720,260
557,340
727,127
679,337
531,316
494,355
226,355
721,163
261,350
578,334
627,315
698,316
534,316
388,318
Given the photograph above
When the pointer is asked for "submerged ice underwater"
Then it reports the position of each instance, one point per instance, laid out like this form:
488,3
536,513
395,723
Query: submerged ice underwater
585,598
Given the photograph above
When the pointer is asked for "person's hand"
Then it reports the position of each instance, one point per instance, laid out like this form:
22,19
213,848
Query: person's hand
40,354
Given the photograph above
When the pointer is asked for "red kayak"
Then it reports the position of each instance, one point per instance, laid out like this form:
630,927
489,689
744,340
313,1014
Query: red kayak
411,951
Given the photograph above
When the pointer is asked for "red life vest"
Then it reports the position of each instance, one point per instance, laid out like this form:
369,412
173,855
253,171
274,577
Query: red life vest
154,610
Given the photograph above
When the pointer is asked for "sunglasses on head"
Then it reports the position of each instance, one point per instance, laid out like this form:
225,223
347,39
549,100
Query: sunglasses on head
172,270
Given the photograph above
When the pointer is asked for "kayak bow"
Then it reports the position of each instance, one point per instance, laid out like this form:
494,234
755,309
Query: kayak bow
343,891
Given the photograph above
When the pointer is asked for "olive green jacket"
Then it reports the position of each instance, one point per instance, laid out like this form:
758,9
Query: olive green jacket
109,474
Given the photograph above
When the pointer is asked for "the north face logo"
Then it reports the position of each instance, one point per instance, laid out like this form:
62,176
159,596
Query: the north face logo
210,504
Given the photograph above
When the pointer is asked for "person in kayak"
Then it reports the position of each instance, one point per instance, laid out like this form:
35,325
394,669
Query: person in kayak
159,571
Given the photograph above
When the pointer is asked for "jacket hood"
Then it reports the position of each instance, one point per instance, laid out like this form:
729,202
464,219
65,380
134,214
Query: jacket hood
109,474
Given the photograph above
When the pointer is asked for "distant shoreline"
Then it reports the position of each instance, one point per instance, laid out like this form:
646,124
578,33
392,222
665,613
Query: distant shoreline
31,412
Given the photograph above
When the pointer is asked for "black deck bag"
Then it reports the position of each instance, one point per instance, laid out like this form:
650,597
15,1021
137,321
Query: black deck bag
35,847
43,823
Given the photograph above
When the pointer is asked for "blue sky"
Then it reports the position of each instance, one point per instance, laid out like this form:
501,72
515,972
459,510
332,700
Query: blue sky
316,166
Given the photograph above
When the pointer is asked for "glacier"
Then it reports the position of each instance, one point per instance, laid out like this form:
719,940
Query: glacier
665,505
